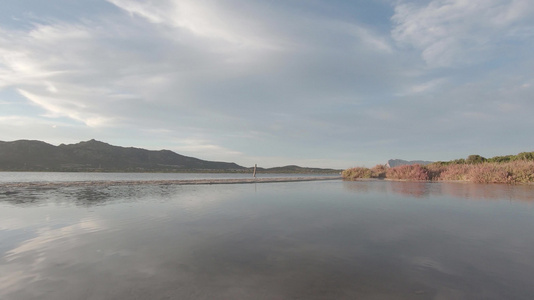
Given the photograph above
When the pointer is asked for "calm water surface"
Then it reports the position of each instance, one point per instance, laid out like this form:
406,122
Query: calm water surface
305,240
16,177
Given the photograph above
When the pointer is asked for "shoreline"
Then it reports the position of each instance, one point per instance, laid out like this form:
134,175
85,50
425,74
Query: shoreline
433,181
512,172
164,182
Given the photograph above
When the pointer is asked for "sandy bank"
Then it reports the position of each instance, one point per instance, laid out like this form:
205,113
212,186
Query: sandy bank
165,182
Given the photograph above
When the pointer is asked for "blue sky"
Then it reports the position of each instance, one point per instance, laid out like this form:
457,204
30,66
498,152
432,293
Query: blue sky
314,83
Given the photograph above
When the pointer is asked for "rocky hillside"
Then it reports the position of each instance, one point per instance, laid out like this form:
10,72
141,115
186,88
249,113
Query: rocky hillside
26,155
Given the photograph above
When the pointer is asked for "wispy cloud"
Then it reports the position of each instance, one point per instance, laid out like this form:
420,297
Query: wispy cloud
204,19
458,32
244,80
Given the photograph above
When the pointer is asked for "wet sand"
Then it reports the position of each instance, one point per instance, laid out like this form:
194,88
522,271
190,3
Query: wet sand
167,182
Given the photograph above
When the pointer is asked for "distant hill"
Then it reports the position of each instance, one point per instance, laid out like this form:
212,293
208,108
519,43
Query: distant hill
297,169
399,162
96,156
26,155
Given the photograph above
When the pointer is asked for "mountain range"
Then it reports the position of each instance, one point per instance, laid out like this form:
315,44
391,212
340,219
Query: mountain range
97,156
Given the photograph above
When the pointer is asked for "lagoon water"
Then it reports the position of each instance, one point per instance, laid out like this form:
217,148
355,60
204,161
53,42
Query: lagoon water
22,177
303,240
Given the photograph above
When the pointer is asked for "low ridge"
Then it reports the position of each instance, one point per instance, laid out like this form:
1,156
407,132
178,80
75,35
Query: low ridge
93,155
97,156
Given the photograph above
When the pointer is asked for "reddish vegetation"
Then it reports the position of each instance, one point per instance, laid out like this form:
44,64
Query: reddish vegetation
512,172
519,171
408,172
379,171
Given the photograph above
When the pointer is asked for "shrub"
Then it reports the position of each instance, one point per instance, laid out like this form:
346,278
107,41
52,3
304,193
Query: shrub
488,173
407,172
508,172
519,171
356,173
475,159
458,161
434,170
501,159
513,172
524,156
454,172
378,171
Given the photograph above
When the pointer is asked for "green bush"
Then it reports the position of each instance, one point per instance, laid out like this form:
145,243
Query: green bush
475,159
524,156
501,159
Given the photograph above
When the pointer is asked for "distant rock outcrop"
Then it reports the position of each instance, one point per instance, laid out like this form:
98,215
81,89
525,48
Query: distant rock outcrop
399,162
26,155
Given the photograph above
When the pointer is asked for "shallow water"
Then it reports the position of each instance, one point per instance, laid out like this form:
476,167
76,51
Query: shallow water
20,177
306,240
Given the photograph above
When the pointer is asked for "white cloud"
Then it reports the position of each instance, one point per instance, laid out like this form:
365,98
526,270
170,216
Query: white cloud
372,39
29,58
459,32
51,88
205,19
251,81
427,86
15,120
58,107
204,149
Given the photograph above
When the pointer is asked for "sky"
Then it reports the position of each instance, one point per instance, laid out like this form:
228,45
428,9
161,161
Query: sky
317,83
